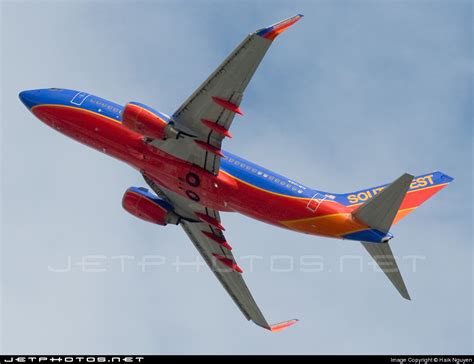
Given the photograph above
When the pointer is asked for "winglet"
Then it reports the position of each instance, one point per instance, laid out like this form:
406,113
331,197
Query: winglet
282,325
274,30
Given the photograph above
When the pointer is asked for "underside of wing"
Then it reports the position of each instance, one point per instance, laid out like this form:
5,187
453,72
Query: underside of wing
203,227
206,116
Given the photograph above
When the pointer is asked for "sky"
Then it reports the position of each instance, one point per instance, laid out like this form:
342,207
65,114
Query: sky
352,96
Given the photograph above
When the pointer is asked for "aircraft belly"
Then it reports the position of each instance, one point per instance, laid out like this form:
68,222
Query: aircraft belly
222,192
92,129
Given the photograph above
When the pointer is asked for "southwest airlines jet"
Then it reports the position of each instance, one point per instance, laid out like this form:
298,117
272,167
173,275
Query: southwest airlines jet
192,179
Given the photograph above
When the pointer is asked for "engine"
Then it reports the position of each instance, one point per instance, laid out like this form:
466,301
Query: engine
147,122
146,206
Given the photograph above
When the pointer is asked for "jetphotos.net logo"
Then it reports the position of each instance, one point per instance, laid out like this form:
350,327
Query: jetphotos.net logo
249,263
70,359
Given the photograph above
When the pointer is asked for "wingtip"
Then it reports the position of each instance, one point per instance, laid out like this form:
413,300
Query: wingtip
276,29
283,325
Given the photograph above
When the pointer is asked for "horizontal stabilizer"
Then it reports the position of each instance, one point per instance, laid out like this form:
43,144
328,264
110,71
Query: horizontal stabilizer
380,211
383,255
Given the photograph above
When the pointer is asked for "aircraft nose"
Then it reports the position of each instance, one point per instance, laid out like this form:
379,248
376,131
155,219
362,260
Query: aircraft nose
29,98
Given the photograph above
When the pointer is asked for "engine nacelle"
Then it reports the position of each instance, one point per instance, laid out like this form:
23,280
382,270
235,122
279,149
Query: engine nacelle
147,122
146,206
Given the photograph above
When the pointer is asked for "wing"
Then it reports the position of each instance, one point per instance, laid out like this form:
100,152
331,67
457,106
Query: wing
203,227
208,113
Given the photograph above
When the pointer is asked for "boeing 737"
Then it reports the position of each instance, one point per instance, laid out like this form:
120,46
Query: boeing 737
192,179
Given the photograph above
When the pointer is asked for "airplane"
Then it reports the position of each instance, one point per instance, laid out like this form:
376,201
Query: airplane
193,180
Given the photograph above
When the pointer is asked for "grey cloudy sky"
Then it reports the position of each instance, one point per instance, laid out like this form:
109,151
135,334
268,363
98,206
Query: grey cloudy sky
352,96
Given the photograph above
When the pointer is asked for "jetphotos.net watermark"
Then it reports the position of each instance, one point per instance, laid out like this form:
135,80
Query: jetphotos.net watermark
249,263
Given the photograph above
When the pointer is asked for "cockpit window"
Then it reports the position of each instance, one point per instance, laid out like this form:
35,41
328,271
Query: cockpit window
56,89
